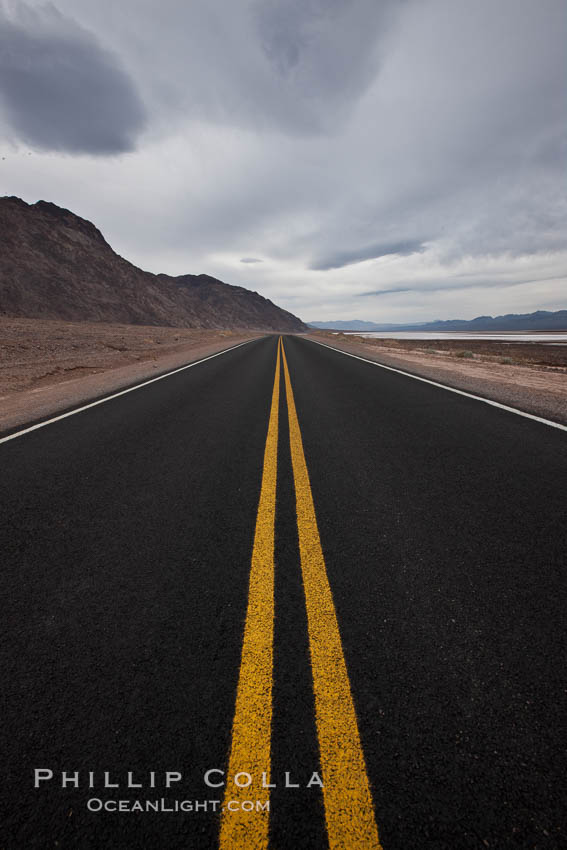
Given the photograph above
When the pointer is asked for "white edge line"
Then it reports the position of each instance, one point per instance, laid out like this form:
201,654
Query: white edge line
451,389
122,392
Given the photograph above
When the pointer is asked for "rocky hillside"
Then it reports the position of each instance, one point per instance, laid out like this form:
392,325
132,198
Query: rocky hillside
55,265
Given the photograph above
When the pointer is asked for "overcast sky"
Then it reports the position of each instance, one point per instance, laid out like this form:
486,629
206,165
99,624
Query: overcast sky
386,160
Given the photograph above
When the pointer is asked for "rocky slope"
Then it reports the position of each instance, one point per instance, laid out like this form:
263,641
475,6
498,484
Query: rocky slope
56,265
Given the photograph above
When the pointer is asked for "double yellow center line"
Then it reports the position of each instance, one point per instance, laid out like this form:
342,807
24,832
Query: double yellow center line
349,812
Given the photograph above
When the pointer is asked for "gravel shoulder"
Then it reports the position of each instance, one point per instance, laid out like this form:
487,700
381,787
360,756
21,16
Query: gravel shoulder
533,378
49,366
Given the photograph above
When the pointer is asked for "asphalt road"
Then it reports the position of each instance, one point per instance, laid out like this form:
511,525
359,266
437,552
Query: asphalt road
170,604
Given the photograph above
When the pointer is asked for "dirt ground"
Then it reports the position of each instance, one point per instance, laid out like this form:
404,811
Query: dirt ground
510,353
528,376
47,366
37,352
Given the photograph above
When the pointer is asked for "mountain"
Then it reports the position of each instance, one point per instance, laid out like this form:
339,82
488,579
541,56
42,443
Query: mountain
56,265
541,320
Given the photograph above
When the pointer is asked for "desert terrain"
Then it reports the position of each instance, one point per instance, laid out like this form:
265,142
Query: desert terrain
48,365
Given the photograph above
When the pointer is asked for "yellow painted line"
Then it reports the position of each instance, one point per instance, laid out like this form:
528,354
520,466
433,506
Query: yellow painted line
349,811
252,725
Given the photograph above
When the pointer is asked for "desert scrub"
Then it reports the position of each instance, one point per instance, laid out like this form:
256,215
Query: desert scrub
506,361
467,354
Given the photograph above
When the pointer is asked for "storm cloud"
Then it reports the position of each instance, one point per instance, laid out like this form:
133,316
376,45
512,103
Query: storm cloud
371,252
324,53
60,89
428,137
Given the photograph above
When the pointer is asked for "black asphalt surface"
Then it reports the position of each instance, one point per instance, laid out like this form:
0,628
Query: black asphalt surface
125,537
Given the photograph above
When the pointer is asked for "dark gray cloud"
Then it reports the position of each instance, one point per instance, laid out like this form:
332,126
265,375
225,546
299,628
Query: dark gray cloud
325,53
250,260
297,67
456,283
324,133
60,90
395,289
371,252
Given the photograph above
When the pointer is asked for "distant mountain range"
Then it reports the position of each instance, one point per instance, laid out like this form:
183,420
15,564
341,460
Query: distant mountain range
56,265
541,320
